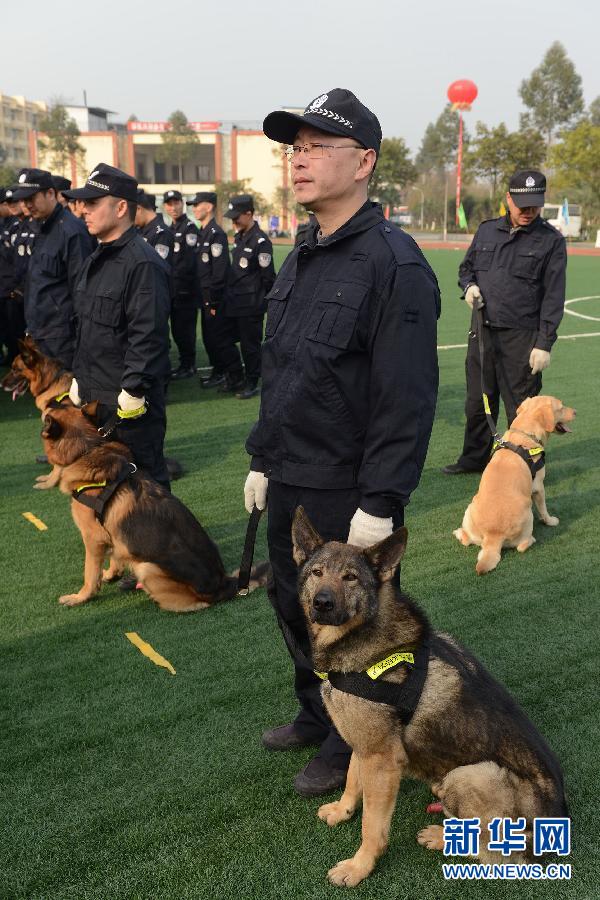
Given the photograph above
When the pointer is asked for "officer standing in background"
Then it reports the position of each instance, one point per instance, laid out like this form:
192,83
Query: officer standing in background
213,272
250,279
18,232
184,312
515,270
152,227
122,302
61,185
350,377
61,245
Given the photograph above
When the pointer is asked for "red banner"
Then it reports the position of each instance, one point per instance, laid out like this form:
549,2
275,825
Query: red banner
158,127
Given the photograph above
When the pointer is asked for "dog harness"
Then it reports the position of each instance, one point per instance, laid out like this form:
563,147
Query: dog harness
403,697
56,402
534,457
101,500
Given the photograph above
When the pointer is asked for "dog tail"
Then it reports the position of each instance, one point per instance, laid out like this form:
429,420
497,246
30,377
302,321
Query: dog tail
489,555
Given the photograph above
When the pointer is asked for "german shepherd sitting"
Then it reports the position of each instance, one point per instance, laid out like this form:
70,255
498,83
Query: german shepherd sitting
465,737
47,379
142,527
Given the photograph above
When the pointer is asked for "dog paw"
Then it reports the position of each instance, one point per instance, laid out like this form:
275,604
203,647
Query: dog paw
432,837
334,813
348,873
552,521
72,600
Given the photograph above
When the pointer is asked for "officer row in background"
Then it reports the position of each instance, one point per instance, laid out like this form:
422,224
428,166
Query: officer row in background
229,293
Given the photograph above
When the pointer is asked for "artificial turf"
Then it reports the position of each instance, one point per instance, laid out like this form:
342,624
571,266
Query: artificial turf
120,780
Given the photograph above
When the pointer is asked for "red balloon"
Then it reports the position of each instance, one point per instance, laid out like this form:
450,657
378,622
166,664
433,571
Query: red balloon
462,92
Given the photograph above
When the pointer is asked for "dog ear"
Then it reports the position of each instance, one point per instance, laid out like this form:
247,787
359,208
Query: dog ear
548,419
385,556
52,428
305,538
522,407
89,410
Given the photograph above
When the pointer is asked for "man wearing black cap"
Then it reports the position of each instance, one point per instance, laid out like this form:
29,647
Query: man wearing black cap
350,379
213,271
152,227
184,313
251,277
515,271
122,304
61,244
61,184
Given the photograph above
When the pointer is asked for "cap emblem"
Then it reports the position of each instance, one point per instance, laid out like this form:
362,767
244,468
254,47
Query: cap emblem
23,178
318,103
529,181
93,174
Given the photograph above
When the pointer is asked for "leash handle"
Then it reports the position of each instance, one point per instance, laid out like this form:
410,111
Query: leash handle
248,552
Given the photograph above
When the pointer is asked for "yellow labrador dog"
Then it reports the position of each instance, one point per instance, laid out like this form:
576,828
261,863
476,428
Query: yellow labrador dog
500,514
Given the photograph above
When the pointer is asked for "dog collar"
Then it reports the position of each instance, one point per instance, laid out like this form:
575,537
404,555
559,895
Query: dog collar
101,500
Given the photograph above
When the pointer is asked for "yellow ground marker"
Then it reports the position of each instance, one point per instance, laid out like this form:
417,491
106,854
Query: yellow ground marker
149,651
35,521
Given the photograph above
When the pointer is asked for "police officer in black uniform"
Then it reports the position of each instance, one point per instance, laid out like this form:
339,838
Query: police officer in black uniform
61,184
122,304
152,227
350,378
250,279
184,313
213,272
515,271
61,244
17,232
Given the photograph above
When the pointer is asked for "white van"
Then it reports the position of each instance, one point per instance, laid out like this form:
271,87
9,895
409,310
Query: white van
553,213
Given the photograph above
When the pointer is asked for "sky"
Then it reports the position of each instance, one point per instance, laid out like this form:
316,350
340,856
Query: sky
237,61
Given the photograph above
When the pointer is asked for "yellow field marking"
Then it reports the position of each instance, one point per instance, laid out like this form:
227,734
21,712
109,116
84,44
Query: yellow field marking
149,651
35,521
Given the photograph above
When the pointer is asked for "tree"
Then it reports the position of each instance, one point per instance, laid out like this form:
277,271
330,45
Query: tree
8,175
496,153
60,142
594,111
439,147
552,93
179,142
393,172
576,163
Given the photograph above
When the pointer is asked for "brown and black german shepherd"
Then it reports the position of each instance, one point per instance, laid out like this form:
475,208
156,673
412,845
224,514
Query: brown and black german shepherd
467,738
144,528
47,379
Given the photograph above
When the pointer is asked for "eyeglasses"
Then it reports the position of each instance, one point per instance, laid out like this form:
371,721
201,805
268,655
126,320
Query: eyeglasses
315,151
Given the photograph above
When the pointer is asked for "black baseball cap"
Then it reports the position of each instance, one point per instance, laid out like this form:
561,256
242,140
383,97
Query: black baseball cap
30,181
336,112
2,195
148,201
60,184
239,204
10,195
172,195
105,181
203,197
527,188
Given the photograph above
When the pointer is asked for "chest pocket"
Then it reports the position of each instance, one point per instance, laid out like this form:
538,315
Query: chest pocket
528,265
106,309
277,303
50,265
484,257
334,319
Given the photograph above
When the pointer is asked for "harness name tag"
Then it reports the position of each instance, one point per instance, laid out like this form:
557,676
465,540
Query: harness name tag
389,662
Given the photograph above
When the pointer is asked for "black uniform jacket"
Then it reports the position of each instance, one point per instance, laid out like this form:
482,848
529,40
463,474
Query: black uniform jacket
122,305
185,238
160,236
252,273
8,233
22,238
213,263
521,275
349,364
61,244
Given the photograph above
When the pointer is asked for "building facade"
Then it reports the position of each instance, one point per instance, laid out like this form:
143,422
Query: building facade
18,117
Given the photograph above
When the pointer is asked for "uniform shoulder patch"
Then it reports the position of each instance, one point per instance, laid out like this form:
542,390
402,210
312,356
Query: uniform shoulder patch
216,249
191,239
264,260
162,250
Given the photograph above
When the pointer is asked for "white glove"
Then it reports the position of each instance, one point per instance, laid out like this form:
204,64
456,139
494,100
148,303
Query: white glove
538,360
130,407
366,530
473,296
74,393
255,491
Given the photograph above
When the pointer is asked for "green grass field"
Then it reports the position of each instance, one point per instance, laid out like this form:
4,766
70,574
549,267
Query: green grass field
120,780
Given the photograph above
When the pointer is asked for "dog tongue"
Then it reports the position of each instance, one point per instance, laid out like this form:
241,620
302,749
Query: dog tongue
435,807
15,393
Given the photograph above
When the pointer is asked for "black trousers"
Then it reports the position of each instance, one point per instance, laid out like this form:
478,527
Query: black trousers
249,332
507,375
330,511
15,326
60,348
183,327
144,436
219,337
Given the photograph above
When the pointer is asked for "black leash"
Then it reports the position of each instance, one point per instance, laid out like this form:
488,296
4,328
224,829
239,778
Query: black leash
248,553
